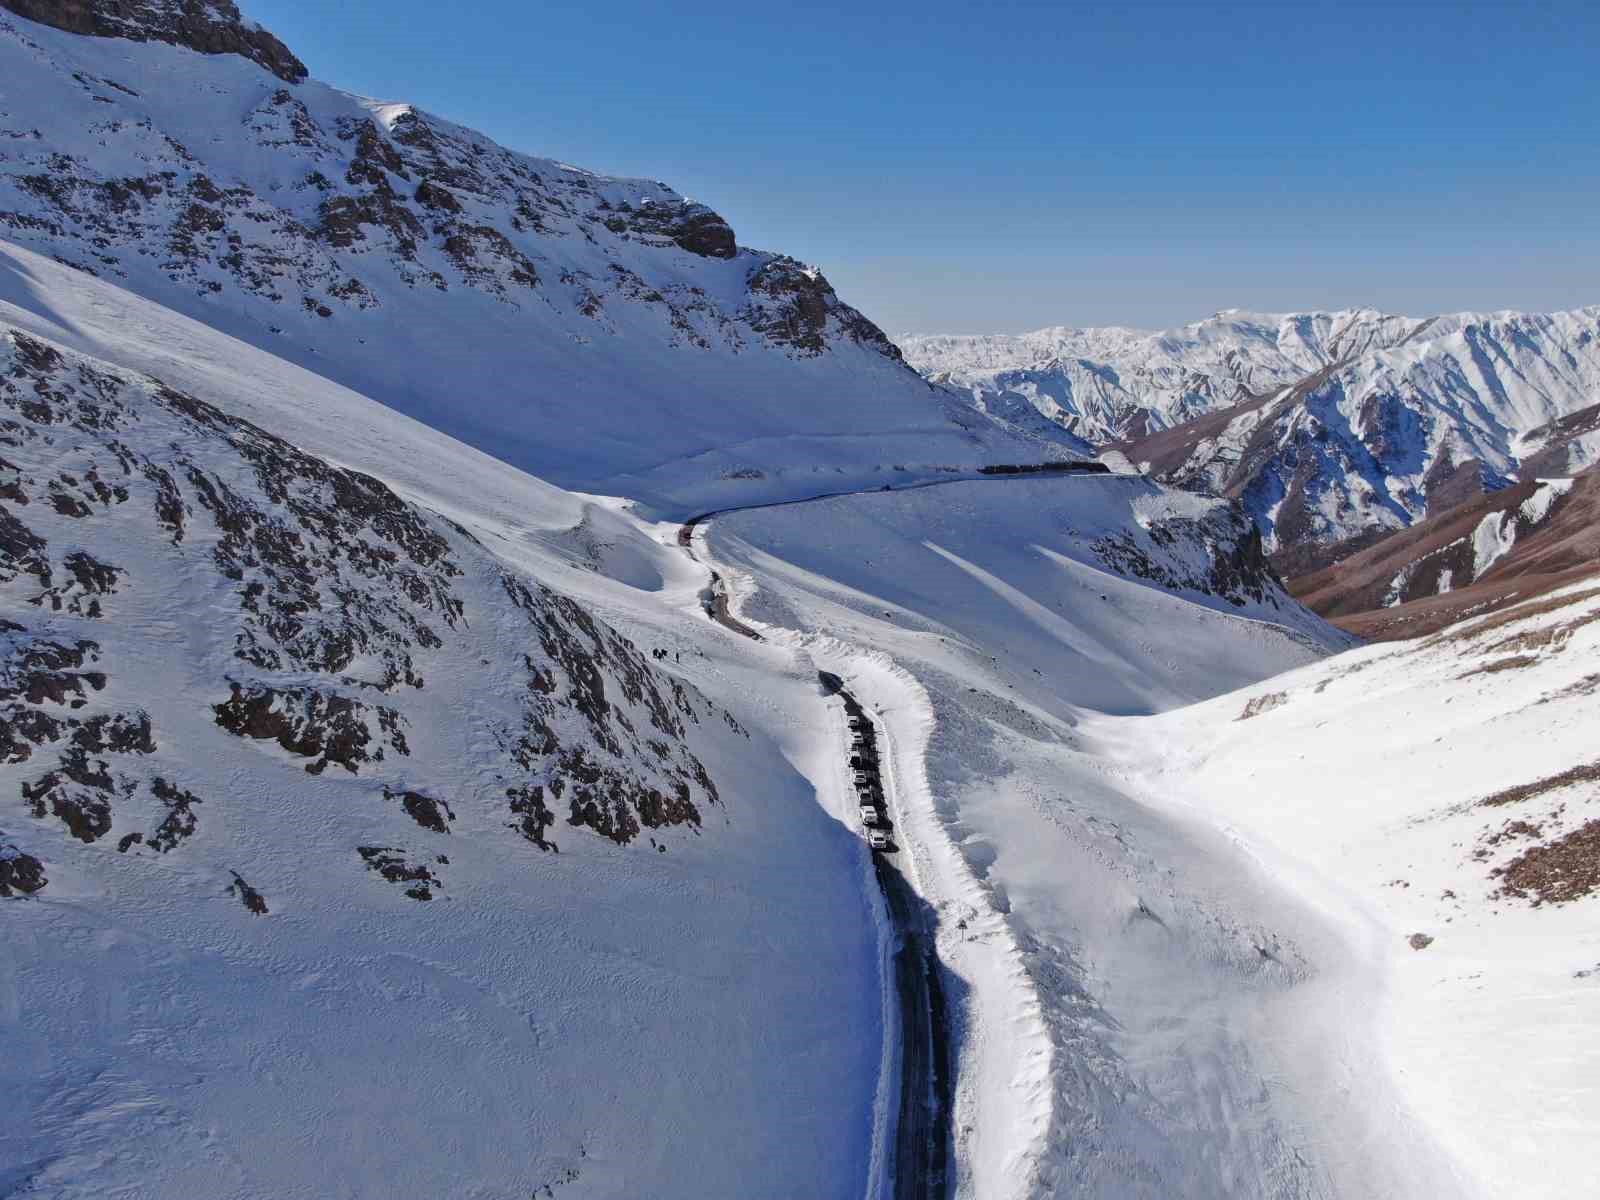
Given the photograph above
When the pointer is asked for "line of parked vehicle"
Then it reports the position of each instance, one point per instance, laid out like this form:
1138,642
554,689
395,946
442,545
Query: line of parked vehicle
866,772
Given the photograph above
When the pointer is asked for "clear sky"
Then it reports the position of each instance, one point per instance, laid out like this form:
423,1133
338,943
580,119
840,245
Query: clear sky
980,167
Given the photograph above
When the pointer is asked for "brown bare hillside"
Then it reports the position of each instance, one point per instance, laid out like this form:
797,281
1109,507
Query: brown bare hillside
1393,589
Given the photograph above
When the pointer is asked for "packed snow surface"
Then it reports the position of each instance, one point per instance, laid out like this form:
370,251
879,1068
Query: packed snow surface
1380,788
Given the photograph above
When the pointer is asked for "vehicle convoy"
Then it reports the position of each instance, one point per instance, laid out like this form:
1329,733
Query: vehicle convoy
864,772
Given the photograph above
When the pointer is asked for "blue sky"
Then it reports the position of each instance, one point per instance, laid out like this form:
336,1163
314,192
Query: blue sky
1003,166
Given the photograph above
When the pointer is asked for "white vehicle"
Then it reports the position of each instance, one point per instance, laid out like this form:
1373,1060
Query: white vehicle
869,815
877,839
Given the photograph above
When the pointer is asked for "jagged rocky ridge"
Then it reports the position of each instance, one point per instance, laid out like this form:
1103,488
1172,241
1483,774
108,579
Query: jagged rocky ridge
1110,384
209,26
310,611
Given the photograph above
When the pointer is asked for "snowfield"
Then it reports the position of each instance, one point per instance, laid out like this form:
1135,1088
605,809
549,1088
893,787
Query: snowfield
1381,787
374,866
380,819
1182,921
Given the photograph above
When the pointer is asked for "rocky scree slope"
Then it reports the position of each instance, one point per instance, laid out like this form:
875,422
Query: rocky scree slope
177,583
585,328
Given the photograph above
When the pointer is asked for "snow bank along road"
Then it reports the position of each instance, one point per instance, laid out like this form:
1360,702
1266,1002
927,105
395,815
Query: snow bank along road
922,1126
716,600
921,1137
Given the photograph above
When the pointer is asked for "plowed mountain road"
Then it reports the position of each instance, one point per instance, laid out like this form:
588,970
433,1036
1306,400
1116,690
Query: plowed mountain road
922,1126
920,1142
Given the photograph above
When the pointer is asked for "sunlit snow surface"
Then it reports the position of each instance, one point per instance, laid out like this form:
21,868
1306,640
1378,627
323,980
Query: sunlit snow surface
606,1020
1182,923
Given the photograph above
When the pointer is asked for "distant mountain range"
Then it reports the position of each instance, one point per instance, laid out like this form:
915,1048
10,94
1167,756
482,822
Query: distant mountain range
1327,426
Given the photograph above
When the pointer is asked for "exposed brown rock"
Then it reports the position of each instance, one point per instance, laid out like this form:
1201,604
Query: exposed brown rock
209,26
310,723
1587,773
248,896
424,810
20,873
392,865
1557,872
1561,550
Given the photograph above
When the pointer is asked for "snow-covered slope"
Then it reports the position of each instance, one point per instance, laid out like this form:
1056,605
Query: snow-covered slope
985,623
1437,801
1112,383
1182,924
364,861
604,333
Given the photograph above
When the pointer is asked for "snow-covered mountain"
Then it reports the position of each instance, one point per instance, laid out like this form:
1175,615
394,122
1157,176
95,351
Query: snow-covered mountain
605,333
352,828
1111,384
379,819
316,711
1326,426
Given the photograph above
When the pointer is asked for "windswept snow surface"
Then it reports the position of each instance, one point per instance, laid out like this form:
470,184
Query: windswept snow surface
1118,1024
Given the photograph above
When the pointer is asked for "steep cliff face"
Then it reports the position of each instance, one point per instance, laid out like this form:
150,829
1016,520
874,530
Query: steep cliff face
605,333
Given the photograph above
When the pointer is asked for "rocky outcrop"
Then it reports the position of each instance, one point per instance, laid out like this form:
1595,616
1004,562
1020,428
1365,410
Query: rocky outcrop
328,602
694,227
1219,554
793,305
20,873
209,26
